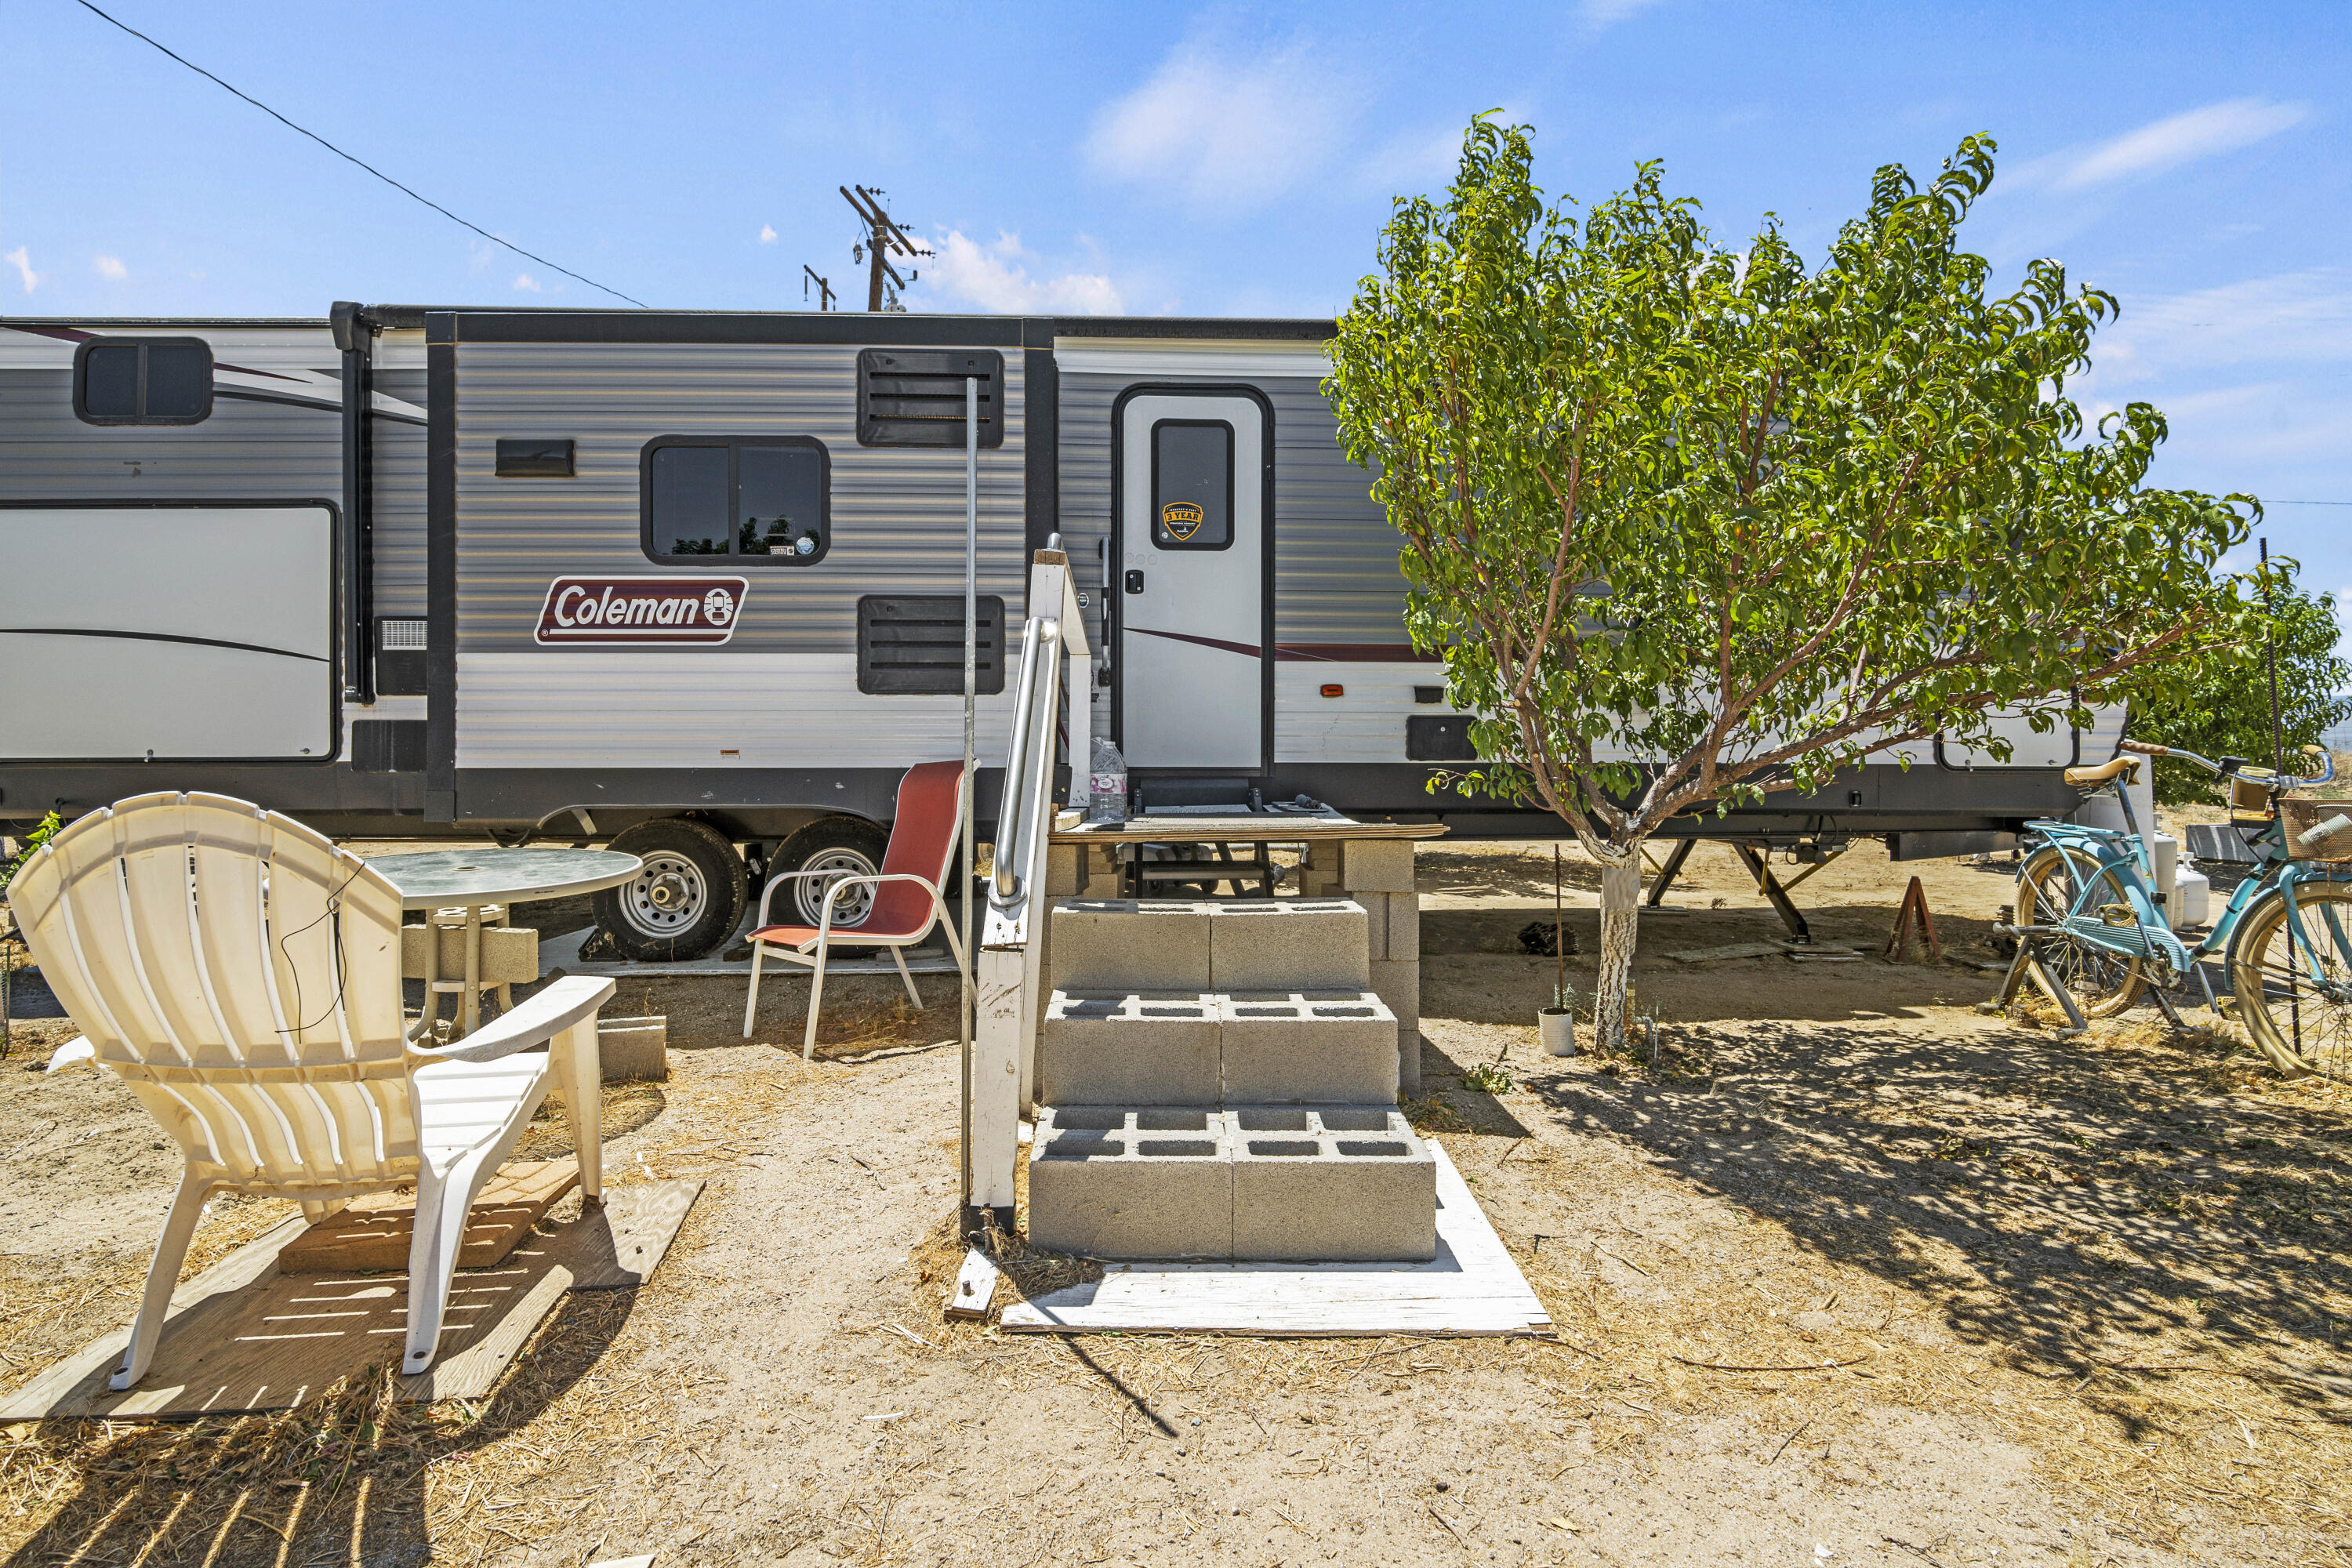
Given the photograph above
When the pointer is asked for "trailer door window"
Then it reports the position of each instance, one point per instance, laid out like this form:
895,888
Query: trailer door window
762,498
1192,484
143,381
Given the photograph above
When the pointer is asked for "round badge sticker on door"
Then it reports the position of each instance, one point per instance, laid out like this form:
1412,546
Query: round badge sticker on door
1181,519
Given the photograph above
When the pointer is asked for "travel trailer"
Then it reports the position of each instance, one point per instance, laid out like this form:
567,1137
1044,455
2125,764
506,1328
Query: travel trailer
694,582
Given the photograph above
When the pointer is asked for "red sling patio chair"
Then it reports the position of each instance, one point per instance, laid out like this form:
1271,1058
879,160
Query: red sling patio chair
906,902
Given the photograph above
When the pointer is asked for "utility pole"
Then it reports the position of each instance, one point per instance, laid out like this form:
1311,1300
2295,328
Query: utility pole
824,288
883,235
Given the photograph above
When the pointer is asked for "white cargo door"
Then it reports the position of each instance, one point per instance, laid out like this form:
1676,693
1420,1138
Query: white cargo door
1191,582
180,632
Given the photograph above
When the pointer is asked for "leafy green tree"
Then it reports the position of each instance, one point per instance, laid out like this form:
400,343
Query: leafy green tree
2223,708
1692,525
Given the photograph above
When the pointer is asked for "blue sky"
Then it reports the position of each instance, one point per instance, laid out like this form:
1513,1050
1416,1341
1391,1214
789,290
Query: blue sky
1226,160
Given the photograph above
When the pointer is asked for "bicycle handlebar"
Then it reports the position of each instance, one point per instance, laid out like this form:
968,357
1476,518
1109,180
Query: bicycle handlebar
2282,782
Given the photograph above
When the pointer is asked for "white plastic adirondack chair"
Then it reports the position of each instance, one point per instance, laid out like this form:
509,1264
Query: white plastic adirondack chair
242,974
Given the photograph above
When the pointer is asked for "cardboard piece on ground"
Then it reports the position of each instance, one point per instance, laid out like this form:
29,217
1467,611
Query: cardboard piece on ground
243,1337
1473,1286
374,1231
1726,954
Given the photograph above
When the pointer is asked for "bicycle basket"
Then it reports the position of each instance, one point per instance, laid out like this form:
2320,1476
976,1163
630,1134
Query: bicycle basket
2317,829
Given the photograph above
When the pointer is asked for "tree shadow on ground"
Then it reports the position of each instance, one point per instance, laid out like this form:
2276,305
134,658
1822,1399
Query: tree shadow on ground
2071,1204
340,1479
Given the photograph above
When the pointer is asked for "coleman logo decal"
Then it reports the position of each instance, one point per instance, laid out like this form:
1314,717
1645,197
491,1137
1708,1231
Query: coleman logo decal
1181,518
641,610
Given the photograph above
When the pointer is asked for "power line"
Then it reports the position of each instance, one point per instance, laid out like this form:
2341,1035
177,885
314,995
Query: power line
2307,503
371,168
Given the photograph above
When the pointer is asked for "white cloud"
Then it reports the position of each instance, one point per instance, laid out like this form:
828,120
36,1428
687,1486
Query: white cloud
526,282
2302,317
23,262
767,234
1232,130
110,267
993,279
1413,160
2170,142
1599,14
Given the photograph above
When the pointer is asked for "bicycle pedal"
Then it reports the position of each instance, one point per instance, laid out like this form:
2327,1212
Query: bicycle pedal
2119,915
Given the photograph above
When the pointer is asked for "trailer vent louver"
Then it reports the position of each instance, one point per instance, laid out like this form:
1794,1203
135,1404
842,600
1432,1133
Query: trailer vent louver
915,397
912,645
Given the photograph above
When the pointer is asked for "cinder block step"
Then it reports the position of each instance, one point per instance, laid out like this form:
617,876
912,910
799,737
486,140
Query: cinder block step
1330,1183
1131,1184
1269,945
1313,1183
1147,1048
1335,1048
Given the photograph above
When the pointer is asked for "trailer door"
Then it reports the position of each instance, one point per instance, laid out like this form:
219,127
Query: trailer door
167,633
1194,539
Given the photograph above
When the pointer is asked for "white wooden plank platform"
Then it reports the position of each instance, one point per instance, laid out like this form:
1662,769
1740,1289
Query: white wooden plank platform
1472,1288
242,1336
563,952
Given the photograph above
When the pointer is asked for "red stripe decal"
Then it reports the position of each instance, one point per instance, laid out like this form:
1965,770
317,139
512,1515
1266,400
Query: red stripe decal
1246,649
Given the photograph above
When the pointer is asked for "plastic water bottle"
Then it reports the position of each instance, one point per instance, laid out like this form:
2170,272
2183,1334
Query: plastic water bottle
1108,786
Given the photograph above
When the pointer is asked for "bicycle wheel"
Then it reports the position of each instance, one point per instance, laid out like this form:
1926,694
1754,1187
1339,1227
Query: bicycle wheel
2295,993
2049,888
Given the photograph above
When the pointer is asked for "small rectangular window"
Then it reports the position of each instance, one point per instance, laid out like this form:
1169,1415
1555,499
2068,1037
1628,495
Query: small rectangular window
915,397
1192,484
143,381
764,497
535,460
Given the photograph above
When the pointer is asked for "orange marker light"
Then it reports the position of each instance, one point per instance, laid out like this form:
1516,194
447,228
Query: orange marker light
1335,691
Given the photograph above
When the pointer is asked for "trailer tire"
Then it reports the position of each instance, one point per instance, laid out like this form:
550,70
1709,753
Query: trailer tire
848,844
688,899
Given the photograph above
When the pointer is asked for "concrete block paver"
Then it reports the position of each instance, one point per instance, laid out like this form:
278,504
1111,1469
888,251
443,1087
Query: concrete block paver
1376,865
1330,1183
1130,1047
1334,1046
1130,944
1131,1182
1276,944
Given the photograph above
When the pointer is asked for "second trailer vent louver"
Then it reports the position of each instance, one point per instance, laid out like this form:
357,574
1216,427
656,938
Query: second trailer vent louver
915,397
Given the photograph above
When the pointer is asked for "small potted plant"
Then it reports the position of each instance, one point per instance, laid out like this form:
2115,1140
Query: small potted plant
1557,1022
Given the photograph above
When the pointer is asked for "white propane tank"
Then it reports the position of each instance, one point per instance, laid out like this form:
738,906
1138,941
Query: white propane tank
2192,899
2164,850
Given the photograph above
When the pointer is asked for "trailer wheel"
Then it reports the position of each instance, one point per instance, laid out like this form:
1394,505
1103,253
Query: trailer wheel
843,845
688,898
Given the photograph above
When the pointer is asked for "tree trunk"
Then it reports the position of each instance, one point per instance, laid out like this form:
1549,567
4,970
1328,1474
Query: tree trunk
1620,902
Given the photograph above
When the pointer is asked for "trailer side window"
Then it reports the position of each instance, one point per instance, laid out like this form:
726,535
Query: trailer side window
764,498
143,381
1192,484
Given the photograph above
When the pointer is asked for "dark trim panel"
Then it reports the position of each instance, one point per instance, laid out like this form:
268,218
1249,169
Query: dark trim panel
850,329
1041,455
358,509
441,567
1273,328
533,794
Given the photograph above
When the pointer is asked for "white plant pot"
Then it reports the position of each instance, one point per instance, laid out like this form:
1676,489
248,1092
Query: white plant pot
1558,1027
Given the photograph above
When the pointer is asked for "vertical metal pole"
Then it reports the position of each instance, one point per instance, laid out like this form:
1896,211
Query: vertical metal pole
2270,652
970,776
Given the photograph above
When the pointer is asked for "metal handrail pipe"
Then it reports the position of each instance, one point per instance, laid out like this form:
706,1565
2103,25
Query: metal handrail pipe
1012,832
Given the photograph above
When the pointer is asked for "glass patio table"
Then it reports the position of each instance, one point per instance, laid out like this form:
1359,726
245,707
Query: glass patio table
486,876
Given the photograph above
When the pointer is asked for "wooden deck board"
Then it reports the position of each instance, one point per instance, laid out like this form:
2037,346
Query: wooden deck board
242,1336
374,1231
1473,1288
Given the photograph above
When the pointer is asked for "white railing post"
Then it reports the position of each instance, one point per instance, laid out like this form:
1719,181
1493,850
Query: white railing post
1007,966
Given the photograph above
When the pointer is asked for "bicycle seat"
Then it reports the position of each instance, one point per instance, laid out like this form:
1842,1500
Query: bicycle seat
2082,778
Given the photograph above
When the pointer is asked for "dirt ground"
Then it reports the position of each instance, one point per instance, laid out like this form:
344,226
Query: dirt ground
1852,1273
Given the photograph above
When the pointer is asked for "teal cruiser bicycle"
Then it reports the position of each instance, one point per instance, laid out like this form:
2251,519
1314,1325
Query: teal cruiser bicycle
2092,935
